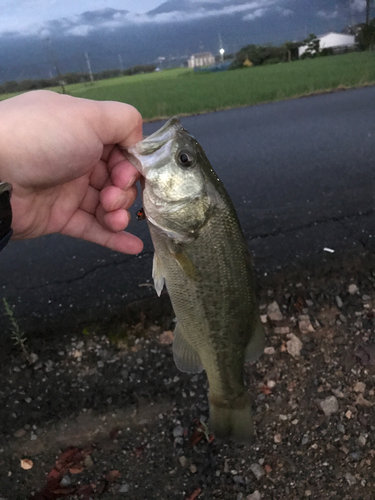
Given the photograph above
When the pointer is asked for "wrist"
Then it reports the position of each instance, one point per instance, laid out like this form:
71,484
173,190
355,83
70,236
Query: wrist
5,214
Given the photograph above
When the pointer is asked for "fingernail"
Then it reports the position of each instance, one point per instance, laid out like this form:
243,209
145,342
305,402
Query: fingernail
132,181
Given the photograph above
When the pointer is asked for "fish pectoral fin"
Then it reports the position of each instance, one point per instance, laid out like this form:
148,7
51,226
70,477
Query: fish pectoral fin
157,275
186,358
257,343
186,264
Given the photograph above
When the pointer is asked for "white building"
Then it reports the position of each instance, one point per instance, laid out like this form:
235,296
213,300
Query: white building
200,60
332,41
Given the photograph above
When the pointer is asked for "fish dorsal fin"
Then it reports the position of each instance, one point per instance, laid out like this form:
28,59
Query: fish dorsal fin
157,275
256,345
186,358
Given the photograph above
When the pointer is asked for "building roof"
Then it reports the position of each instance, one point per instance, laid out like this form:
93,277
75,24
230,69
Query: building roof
335,33
202,54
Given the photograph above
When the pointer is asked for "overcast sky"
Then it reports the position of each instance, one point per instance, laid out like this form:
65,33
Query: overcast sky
33,33
35,16
23,15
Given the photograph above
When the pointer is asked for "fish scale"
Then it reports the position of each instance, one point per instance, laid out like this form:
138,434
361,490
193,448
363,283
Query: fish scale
215,310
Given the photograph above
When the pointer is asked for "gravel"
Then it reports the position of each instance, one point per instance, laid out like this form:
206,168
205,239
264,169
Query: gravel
112,396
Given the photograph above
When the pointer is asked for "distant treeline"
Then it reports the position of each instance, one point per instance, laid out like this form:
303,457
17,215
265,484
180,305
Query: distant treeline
69,78
266,54
255,55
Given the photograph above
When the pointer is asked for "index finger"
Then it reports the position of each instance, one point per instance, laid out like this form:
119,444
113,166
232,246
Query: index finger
123,173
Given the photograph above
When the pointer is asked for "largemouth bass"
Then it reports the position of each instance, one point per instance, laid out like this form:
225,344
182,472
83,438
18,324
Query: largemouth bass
201,256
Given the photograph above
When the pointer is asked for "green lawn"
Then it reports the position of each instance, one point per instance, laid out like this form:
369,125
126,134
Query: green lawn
181,91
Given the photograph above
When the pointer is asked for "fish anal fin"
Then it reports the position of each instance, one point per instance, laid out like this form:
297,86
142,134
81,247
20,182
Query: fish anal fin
186,358
256,345
157,275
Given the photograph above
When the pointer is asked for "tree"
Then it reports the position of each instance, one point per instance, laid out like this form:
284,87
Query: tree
366,36
291,50
312,46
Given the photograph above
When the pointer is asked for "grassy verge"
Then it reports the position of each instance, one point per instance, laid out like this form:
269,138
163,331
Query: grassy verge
181,91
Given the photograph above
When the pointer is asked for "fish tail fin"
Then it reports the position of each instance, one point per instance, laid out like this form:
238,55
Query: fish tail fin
235,422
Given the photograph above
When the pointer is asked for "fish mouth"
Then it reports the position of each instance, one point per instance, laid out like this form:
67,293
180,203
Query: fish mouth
139,153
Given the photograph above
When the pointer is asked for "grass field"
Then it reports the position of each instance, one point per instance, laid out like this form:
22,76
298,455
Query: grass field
181,91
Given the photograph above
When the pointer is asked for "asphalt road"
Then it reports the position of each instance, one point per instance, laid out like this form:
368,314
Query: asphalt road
300,173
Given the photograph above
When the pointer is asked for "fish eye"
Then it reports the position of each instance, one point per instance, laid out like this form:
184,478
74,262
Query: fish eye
185,159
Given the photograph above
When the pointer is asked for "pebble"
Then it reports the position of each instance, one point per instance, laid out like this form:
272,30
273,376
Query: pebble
183,461
338,393
342,318
329,405
88,461
124,488
269,350
352,289
277,438
341,428
362,439
19,433
257,470
239,480
33,358
273,312
304,324
360,387
356,455
294,345
281,329
254,496
166,338
338,301
178,431
350,479
65,481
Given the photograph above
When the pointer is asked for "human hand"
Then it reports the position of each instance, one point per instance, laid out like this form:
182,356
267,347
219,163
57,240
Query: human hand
62,156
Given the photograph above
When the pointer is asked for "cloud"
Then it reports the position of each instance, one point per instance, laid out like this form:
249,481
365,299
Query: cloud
254,15
82,30
327,15
357,5
203,10
172,11
285,12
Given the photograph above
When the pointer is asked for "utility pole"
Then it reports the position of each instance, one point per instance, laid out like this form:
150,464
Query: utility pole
368,7
89,67
121,63
221,49
54,62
